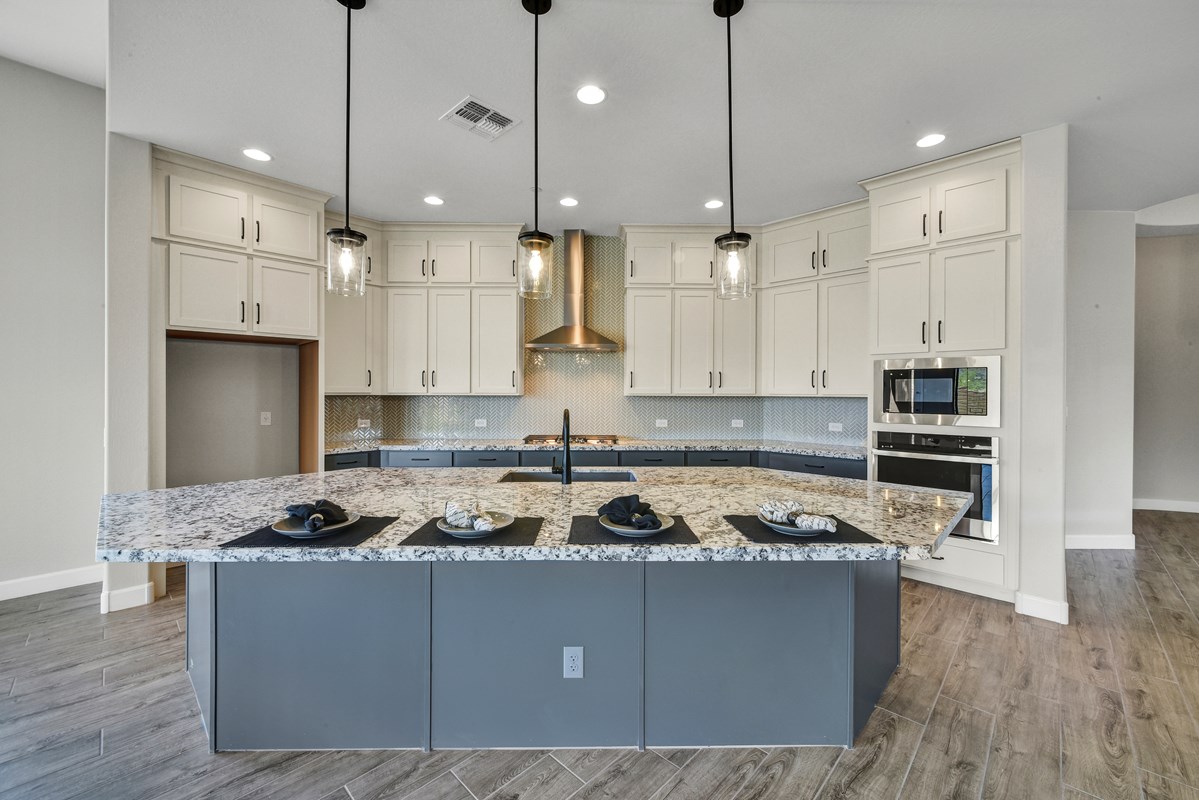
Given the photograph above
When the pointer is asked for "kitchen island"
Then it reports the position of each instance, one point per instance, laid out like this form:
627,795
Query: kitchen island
388,645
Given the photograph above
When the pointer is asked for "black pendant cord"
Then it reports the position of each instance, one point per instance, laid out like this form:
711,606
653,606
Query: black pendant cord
536,149
728,23
349,40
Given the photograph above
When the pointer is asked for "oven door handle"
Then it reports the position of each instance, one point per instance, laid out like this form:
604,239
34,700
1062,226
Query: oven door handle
935,457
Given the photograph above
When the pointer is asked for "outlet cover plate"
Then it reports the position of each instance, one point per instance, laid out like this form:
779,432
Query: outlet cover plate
480,423
572,662
364,423
264,418
836,427
661,423
738,423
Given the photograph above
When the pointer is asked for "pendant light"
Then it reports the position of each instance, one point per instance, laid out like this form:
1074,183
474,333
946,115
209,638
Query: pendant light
732,248
345,267
535,276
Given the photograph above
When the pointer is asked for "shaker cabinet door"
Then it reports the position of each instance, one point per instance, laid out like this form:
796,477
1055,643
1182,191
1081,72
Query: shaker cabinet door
407,341
789,337
970,297
286,299
899,217
899,304
694,327
286,229
736,346
207,289
497,352
647,356
845,367
449,341
349,344
207,212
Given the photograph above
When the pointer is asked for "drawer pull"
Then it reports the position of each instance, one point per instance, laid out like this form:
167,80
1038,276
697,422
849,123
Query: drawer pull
420,459
652,459
487,459
938,558
351,462
718,460
815,466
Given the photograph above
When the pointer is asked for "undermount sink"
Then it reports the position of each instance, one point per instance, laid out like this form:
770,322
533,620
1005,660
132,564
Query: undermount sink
579,476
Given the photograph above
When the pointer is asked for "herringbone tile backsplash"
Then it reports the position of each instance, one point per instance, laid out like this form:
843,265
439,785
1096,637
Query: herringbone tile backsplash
591,386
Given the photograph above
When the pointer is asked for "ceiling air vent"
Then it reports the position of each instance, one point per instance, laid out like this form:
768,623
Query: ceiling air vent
479,118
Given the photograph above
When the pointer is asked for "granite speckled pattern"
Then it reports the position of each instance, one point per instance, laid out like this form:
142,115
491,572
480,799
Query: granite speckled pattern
728,445
190,523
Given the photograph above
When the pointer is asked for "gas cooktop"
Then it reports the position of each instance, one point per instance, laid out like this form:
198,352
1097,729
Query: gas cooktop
556,439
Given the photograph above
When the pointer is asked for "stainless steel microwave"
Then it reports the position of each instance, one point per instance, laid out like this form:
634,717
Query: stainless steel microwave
938,391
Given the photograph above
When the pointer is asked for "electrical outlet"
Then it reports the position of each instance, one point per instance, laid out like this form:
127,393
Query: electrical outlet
836,427
738,423
364,423
572,662
264,418
661,423
480,423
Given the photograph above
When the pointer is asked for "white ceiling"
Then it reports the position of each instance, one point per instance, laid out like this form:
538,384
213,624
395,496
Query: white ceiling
66,37
828,92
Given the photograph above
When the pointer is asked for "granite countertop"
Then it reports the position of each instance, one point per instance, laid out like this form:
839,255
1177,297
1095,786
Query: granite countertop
856,453
190,523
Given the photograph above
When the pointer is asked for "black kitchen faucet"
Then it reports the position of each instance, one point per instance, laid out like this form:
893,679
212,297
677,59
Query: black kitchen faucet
565,470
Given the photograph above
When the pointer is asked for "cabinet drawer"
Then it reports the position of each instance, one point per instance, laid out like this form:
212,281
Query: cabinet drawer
578,458
818,465
717,459
417,458
652,458
486,458
349,461
962,562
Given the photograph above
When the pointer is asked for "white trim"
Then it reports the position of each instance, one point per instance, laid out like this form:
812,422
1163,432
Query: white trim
982,588
1154,504
1042,607
49,581
122,599
1100,541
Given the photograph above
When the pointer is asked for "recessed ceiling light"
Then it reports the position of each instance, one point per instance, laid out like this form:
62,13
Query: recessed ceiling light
931,140
590,94
434,200
714,204
569,201
256,154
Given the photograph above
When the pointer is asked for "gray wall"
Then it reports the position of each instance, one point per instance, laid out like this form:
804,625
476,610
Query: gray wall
215,391
1166,471
1100,286
51,322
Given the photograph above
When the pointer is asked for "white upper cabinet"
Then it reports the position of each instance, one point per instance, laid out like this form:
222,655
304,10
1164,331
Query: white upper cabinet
206,211
449,262
694,332
694,260
494,262
286,299
845,364
818,244
407,341
792,252
789,333
350,343
207,289
974,204
648,256
408,261
844,242
286,228
899,304
899,217
647,353
736,346
968,297
497,347
449,341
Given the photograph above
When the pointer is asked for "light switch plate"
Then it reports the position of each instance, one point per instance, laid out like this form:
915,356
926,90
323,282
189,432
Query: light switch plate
364,423
836,427
480,423
264,418
661,423
738,423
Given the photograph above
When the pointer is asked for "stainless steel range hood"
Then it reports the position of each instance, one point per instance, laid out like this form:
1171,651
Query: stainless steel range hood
573,336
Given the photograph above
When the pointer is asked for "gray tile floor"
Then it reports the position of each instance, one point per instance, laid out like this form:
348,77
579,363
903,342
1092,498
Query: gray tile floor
986,705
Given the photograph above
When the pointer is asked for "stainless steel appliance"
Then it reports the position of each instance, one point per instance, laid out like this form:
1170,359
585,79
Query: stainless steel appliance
938,391
953,463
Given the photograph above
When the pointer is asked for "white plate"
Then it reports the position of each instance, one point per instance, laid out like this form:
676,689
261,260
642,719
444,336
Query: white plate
790,530
636,533
502,521
294,527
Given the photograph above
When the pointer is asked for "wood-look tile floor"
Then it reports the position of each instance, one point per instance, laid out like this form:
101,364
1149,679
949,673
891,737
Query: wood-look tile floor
986,704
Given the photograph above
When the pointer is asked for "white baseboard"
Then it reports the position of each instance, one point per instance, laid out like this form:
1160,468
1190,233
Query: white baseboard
121,599
48,582
1100,541
1043,608
967,585
1153,504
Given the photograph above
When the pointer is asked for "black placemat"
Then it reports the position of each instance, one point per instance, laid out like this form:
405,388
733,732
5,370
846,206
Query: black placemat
586,529
350,536
753,529
521,533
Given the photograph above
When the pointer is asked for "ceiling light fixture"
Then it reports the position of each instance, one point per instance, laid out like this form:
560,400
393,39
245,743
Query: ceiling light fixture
434,200
931,140
256,154
714,204
590,95
569,202
535,277
732,248
345,271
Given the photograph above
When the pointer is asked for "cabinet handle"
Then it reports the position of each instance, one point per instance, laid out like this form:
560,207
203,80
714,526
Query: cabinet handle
422,267
938,558
923,331
422,377
711,270
434,268
709,379
813,379
243,229
824,258
813,259
514,268
940,221
630,267
939,340
824,378
243,312
630,379
433,377
718,460
924,226
652,460
720,380
487,459
368,265
420,459
258,313
815,466
368,378
351,462
513,379
257,231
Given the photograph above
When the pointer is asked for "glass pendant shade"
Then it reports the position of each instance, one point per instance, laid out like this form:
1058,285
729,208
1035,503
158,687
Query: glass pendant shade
734,267
345,265
535,277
